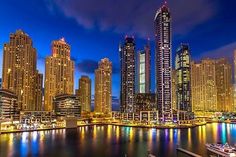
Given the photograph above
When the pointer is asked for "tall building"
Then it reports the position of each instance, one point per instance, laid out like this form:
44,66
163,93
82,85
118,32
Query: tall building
103,77
183,86
163,61
84,93
38,92
127,63
145,102
234,88
143,70
203,86
59,73
19,69
224,83
173,85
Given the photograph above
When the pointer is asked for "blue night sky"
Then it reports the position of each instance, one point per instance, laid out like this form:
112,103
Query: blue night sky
94,28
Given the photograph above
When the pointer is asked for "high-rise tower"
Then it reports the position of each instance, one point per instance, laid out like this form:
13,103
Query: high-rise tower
234,87
59,73
19,69
162,23
203,86
84,93
143,70
182,67
127,63
103,87
224,85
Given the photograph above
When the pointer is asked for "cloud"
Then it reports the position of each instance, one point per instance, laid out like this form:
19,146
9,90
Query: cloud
226,51
88,66
135,16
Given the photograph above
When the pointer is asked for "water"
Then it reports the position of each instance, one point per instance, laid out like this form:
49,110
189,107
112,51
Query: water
113,141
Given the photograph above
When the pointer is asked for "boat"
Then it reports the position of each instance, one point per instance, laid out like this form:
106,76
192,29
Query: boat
221,150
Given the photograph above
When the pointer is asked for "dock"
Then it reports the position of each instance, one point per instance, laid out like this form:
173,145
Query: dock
187,153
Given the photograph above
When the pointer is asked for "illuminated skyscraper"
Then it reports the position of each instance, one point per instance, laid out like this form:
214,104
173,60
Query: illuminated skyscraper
234,88
143,70
103,77
59,73
38,92
183,87
19,69
224,85
203,86
162,23
127,62
173,88
84,93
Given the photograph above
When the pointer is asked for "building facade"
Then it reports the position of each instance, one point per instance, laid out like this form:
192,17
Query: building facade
67,105
234,88
203,86
59,73
144,70
127,63
162,22
19,69
224,83
183,83
9,108
84,93
173,88
103,80
38,92
145,102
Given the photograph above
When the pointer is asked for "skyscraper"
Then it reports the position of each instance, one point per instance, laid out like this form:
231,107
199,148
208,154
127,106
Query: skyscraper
203,86
143,70
19,69
127,63
84,93
224,85
162,23
234,88
59,73
103,87
183,88
173,88
38,92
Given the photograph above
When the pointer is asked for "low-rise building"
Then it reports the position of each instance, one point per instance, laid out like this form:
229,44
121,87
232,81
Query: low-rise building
67,105
9,108
27,117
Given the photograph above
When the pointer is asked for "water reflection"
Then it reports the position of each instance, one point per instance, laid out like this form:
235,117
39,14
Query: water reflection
114,141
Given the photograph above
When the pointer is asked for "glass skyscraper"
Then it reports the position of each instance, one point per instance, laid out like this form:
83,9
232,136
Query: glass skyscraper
143,70
127,62
162,23
183,86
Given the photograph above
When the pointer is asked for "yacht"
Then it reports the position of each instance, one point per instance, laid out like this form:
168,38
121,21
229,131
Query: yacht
221,150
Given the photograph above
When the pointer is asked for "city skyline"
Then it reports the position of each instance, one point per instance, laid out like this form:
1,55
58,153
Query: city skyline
79,36
118,78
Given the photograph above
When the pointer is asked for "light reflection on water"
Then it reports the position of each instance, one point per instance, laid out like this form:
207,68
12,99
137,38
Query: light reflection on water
114,141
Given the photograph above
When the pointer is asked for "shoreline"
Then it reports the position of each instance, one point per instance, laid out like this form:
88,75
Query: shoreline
123,125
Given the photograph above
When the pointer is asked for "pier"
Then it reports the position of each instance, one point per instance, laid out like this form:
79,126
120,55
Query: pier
185,153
